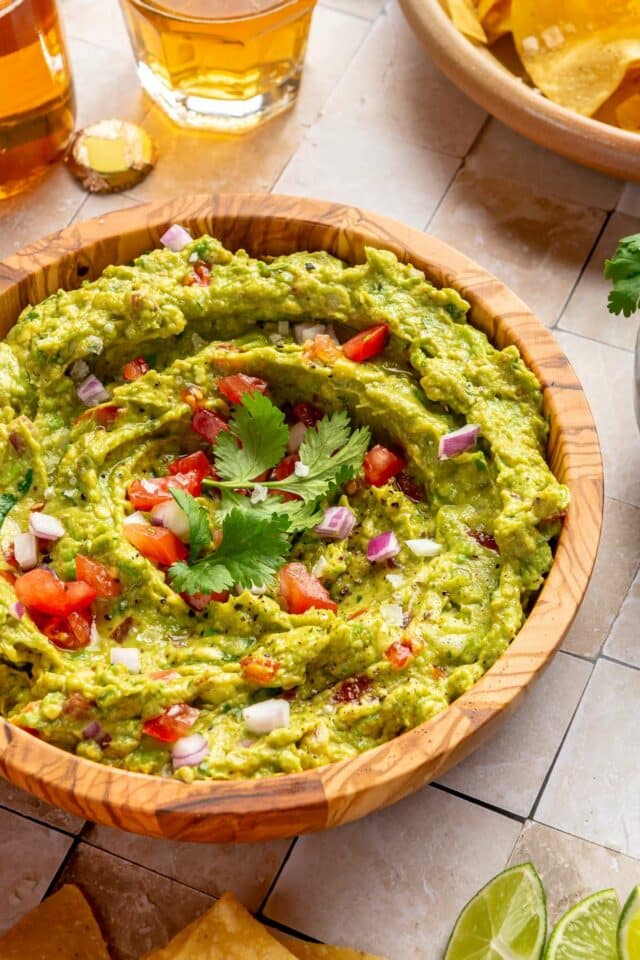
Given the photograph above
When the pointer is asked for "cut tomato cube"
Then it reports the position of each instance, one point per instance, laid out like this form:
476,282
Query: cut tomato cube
381,465
306,413
235,386
301,591
259,669
41,590
284,469
208,424
398,654
104,580
155,543
366,344
323,348
193,463
200,276
174,722
135,369
146,493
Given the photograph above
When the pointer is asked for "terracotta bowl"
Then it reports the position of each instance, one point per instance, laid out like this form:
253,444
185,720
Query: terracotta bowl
285,805
495,84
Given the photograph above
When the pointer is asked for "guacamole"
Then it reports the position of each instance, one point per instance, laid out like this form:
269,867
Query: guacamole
260,515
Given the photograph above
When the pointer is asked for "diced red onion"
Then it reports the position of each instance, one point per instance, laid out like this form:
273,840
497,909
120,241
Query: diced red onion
451,444
189,751
25,550
17,609
266,716
92,392
168,514
92,731
424,547
337,523
307,331
45,526
175,238
79,370
129,657
392,613
383,547
296,436
136,517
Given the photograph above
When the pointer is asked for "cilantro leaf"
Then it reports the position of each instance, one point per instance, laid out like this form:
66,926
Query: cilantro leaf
199,530
7,502
300,515
624,271
259,426
251,551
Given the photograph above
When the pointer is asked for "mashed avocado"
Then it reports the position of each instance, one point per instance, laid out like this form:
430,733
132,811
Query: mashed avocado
388,644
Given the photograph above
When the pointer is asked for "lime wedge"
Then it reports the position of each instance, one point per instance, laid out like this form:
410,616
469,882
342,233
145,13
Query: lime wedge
506,920
629,928
587,931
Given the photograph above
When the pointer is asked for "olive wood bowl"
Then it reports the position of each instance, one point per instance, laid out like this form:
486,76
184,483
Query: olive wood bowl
285,805
495,86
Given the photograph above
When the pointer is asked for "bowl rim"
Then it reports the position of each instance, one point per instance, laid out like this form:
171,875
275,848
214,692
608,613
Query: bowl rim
476,71
284,805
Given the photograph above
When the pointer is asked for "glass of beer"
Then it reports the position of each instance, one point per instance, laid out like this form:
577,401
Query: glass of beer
221,65
37,110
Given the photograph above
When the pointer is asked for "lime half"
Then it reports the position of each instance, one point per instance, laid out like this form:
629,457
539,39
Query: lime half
506,920
629,928
587,931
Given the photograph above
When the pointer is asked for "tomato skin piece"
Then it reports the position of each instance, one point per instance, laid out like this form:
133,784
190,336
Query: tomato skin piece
399,654
104,415
381,465
200,276
193,463
174,722
284,469
366,344
307,413
146,493
40,590
259,670
410,487
199,601
165,675
235,386
301,591
323,348
352,690
135,369
103,579
155,543
207,424
72,633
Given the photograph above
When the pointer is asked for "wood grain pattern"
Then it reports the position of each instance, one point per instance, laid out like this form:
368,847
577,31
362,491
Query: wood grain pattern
483,77
287,805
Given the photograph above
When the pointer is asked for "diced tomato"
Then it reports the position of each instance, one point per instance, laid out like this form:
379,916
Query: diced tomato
323,348
155,543
306,413
366,344
42,591
301,591
208,424
352,690
146,493
104,580
135,368
165,675
200,276
358,613
104,415
70,633
174,722
399,654
201,600
235,386
8,576
438,672
485,540
410,487
193,396
193,463
259,669
381,465
284,469
77,705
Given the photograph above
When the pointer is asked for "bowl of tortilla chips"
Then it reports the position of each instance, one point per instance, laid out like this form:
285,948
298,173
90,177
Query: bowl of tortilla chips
564,73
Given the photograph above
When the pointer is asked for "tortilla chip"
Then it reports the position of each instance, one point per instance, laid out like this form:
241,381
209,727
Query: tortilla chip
495,17
623,108
319,951
465,18
62,927
225,932
577,51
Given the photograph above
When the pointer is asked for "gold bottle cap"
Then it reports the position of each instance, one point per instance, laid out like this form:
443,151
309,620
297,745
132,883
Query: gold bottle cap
110,156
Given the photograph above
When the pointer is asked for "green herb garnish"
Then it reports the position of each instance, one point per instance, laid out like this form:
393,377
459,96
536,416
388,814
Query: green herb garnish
7,503
199,531
624,271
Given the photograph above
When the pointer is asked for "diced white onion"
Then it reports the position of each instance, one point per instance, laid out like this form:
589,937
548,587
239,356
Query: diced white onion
136,517
168,514
424,547
392,613
301,469
266,716
319,567
129,657
259,493
25,550
94,345
193,257
258,591
307,331
296,435
395,579
94,636
45,526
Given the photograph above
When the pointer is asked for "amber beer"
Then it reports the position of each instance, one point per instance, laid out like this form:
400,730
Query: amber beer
219,64
36,92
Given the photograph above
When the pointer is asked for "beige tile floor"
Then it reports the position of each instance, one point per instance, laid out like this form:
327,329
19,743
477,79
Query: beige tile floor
376,124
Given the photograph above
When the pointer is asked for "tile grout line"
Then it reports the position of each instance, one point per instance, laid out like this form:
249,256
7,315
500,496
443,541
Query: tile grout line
599,343
493,808
275,924
583,269
619,663
39,823
271,888
461,165
351,13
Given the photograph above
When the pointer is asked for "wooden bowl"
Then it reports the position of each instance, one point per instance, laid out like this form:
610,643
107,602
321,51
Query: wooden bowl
291,804
486,79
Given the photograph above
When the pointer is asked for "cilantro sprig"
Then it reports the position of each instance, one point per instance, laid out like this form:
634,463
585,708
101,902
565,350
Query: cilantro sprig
7,503
259,426
623,269
199,530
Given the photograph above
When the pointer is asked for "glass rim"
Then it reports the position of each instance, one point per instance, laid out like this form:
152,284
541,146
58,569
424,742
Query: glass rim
157,7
